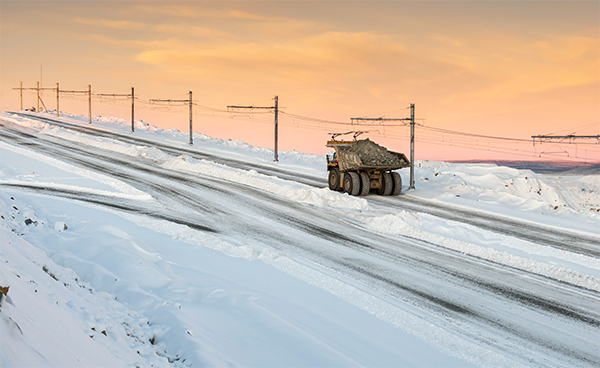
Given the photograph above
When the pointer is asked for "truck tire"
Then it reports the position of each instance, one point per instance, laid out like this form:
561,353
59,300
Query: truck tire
397,180
365,184
387,184
334,179
352,183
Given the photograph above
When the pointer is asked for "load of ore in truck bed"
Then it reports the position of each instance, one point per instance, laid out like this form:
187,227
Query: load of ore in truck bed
372,154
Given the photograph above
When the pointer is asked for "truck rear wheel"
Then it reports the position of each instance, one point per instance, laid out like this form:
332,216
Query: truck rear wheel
352,183
397,184
334,179
387,184
365,184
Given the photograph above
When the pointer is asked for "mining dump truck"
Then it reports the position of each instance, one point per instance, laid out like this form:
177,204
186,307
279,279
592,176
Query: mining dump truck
359,166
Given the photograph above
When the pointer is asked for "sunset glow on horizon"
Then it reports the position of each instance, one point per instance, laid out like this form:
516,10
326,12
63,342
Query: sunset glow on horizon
486,68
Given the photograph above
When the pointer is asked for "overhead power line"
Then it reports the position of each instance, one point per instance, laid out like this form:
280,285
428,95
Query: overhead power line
275,110
381,126
447,131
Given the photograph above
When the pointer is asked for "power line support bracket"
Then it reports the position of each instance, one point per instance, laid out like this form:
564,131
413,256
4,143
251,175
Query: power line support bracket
189,101
276,111
410,121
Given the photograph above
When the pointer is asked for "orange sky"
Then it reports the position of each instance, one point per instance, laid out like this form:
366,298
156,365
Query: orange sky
499,68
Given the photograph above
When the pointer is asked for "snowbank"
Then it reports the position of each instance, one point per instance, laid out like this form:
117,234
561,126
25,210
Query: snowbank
455,237
143,292
322,197
51,317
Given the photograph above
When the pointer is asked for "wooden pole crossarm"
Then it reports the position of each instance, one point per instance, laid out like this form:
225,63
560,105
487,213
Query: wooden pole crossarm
250,107
36,89
379,119
155,100
542,138
565,136
113,94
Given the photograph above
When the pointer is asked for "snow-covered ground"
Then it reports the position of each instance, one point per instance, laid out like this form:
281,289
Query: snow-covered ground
127,278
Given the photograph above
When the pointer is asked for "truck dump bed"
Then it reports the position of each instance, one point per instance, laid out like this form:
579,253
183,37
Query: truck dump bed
366,155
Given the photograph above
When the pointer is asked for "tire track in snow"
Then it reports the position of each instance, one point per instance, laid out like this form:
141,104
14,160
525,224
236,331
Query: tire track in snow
536,233
403,269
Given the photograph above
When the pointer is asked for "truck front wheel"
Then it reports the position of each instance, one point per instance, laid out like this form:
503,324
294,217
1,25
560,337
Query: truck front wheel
334,179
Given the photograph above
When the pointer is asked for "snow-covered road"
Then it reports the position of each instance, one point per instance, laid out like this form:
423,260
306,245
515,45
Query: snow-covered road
390,257
560,238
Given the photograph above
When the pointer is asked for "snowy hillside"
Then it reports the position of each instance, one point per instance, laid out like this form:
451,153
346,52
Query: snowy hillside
135,249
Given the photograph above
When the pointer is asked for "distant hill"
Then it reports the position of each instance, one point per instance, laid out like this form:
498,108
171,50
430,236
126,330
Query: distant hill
545,167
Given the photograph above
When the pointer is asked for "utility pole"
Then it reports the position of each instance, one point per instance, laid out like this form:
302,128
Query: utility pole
132,109
90,101
412,146
189,102
406,121
275,109
276,156
191,113
38,97
21,93
57,99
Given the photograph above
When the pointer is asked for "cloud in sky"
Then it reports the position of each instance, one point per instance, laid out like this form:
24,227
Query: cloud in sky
195,11
330,59
324,58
